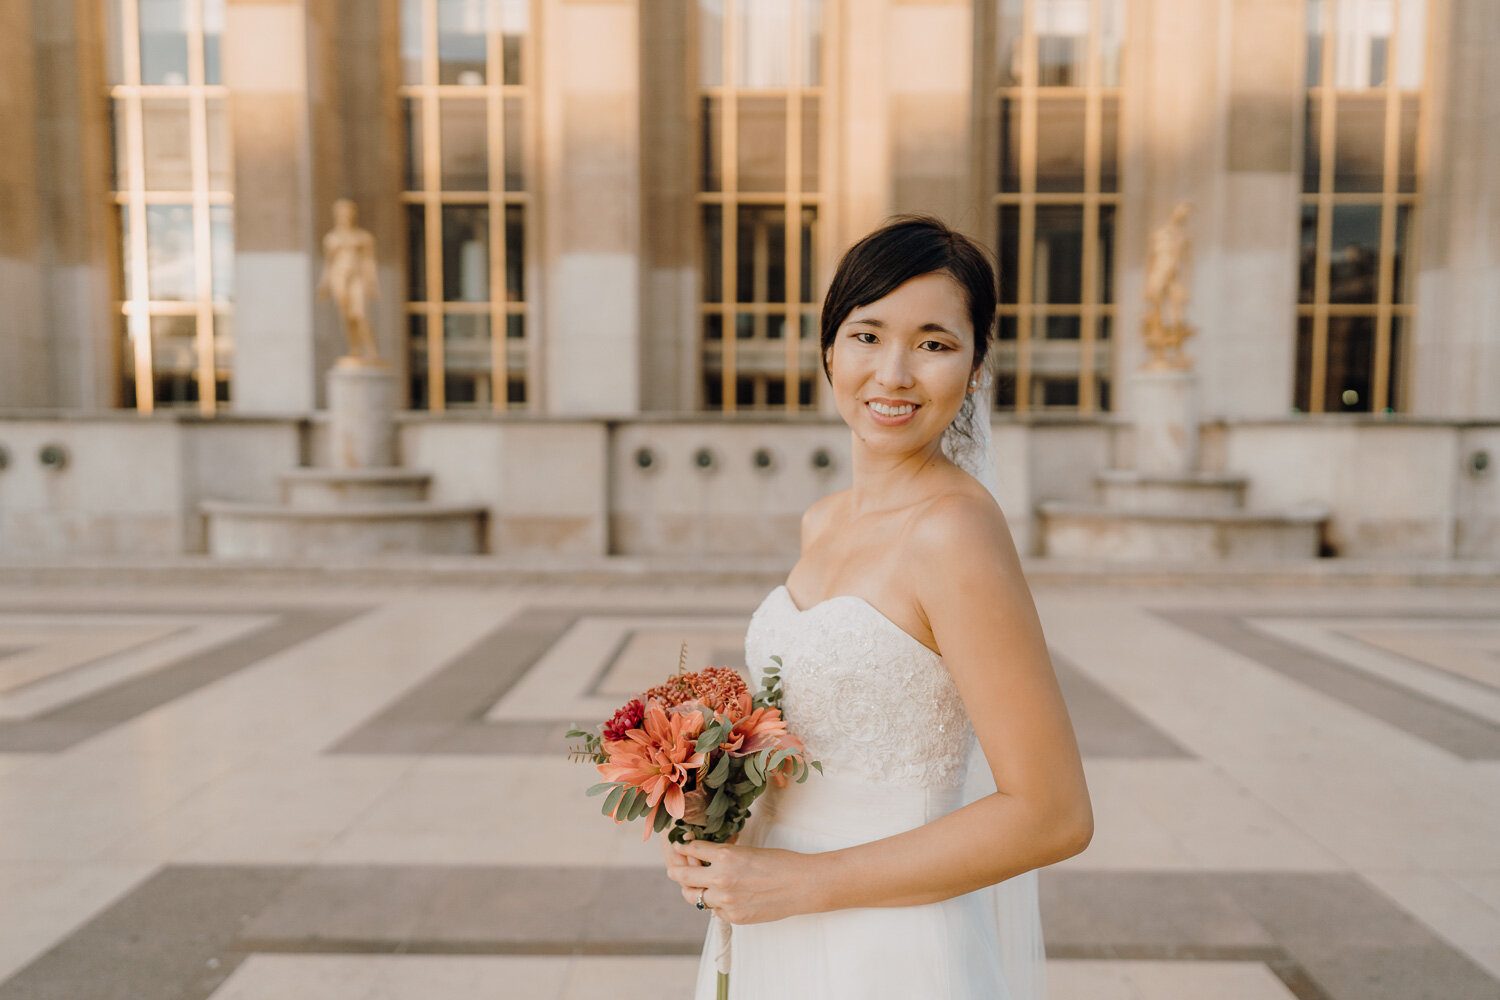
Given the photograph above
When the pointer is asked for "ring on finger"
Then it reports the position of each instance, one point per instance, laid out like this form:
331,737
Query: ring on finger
701,904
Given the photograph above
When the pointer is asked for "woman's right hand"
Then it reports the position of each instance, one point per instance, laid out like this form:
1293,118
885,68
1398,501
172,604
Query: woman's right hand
675,858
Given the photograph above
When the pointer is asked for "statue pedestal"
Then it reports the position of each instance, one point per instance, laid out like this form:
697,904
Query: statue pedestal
1164,411
362,415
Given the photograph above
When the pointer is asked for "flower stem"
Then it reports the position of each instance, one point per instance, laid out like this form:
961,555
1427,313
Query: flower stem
723,986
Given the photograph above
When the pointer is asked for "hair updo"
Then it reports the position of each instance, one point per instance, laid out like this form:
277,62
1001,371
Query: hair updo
908,247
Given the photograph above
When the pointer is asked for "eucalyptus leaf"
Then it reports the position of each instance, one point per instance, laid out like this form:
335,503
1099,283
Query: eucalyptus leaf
613,800
719,772
662,819
602,787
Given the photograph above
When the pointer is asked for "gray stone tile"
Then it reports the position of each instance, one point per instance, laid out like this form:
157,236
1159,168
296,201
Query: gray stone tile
169,938
1434,972
70,724
1327,937
344,904
1106,726
446,714
1149,913
1354,942
458,696
1461,733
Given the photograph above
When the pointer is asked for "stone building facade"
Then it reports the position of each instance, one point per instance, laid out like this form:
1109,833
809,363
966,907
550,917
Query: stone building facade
616,218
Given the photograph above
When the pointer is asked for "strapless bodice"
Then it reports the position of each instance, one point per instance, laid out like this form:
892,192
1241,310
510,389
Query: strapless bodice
869,701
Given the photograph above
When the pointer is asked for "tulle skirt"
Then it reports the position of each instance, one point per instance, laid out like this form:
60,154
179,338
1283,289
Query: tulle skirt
949,949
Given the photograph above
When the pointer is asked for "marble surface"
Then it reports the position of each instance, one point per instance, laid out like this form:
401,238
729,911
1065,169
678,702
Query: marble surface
361,792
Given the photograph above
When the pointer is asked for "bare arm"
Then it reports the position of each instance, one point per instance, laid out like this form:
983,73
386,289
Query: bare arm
968,581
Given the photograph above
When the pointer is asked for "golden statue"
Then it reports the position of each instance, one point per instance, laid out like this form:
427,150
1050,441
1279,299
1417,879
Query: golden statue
349,276
1167,263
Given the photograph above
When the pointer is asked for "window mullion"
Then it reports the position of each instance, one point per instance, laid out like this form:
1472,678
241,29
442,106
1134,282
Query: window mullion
138,323
495,148
1380,377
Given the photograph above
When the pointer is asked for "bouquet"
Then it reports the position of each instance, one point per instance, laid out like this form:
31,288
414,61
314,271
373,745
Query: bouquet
691,755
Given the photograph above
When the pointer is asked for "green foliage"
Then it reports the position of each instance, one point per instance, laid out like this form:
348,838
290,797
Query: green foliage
720,772
592,750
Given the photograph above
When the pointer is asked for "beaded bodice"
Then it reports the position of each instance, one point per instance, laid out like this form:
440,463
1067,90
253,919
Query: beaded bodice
868,699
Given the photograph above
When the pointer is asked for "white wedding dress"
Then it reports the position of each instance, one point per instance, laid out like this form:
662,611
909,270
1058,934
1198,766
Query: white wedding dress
880,712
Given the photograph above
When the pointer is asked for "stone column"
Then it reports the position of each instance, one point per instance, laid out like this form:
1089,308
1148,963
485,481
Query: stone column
78,234
931,82
1249,329
1455,355
669,230
1174,150
860,171
266,53
589,207
25,362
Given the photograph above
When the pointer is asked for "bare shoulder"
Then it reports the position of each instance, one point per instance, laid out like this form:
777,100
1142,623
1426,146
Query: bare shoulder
963,530
820,515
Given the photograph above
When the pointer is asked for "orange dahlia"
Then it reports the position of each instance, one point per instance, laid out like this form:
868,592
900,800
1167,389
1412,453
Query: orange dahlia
657,758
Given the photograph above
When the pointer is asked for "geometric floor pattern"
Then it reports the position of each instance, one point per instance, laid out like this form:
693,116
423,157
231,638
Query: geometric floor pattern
360,792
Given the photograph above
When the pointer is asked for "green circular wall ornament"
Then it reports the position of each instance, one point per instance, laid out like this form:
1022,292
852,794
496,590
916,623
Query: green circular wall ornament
704,460
53,456
645,459
4,458
822,459
1478,463
764,460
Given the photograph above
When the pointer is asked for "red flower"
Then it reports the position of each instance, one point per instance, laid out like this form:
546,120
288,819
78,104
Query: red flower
628,717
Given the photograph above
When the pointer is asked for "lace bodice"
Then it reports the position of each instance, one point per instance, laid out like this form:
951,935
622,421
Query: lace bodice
867,699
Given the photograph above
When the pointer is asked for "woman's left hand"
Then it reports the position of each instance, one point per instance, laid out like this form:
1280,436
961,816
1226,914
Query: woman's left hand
744,885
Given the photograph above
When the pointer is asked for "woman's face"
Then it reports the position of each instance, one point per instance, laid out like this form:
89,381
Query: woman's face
900,366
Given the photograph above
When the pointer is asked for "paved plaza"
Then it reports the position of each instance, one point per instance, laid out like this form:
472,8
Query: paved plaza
301,792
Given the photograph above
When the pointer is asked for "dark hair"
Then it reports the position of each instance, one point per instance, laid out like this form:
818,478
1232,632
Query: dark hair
907,247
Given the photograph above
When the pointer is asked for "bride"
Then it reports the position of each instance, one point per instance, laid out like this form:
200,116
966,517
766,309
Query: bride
905,625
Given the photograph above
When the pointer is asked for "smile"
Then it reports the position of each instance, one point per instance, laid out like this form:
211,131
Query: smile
887,410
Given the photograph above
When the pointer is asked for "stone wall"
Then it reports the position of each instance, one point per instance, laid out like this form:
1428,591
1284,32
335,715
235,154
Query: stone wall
589,487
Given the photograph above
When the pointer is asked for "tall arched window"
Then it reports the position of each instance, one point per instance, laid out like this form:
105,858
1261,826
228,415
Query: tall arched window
467,99
175,202
761,98
1360,184
1056,190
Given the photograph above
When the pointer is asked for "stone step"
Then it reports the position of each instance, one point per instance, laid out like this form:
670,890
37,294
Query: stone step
1086,531
323,488
1193,493
278,531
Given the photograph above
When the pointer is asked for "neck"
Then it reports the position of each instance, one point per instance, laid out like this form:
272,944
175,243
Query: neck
886,482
